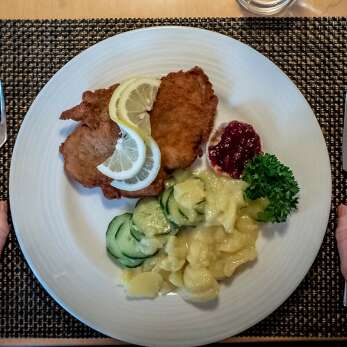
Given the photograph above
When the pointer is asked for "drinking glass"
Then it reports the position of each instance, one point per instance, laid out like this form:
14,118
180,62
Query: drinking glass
265,7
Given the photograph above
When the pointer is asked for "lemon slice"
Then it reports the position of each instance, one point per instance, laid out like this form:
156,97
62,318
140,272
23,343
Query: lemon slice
113,104
128,157
136,100
147,174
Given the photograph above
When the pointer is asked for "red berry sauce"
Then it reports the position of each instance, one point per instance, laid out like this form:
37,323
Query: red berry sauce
232,146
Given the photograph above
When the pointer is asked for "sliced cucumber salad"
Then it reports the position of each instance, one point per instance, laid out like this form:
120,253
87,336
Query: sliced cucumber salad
132,238
113,246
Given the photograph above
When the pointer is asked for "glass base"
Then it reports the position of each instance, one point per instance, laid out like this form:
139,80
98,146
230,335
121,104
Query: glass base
265,7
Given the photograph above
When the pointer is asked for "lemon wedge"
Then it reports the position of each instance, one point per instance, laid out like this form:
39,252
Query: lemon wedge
128,157
113,104
135,102
148,172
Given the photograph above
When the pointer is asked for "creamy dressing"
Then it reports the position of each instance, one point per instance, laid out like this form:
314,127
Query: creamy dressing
195,260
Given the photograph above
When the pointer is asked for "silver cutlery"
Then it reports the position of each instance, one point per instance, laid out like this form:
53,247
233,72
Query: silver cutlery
3,128
344,166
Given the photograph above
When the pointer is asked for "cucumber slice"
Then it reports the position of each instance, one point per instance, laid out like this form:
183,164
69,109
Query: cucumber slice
175,214
111,233
170,182
181,216
125,261
112,246
200,207
192,215
190,192
128,245
150,219
128,262
136,233
164,198
181,175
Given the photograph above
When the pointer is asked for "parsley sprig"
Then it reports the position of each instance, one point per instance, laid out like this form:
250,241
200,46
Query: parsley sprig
269,178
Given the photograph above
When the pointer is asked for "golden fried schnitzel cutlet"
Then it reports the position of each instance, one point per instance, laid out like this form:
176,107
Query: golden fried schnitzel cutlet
181,120
92,142
182,116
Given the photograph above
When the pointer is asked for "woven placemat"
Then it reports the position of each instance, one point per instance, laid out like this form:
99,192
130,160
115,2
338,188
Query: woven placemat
312,52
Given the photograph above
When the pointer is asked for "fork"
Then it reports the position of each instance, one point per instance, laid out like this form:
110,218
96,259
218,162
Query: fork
3,128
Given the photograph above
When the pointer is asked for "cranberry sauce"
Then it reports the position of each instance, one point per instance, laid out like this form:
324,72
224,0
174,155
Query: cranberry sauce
232,146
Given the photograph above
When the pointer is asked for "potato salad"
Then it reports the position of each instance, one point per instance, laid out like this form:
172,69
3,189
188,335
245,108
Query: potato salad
199,231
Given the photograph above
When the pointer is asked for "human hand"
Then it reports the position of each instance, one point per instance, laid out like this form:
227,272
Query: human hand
4,227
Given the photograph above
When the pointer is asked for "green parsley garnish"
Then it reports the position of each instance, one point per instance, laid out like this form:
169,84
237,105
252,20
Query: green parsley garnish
269,178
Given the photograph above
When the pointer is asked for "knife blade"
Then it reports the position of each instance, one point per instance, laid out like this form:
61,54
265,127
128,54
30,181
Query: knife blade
3,126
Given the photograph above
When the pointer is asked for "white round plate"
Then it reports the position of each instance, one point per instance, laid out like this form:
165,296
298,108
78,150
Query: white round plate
61,226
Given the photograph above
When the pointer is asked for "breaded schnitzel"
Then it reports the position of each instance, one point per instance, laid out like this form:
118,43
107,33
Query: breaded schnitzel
182,116
92,142
181,120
